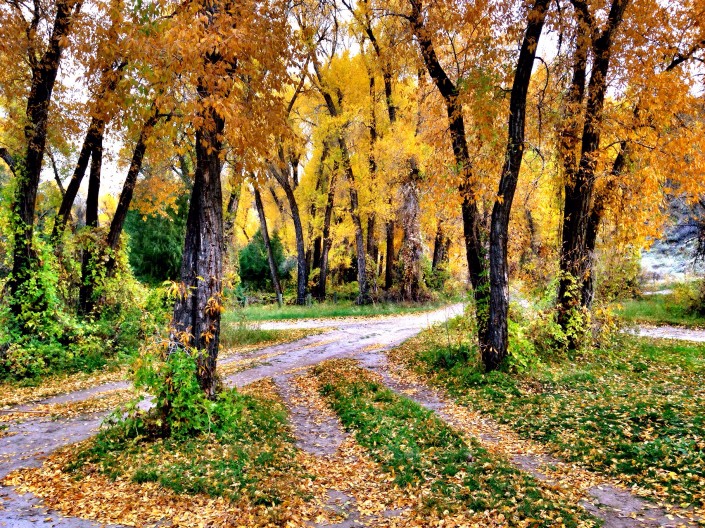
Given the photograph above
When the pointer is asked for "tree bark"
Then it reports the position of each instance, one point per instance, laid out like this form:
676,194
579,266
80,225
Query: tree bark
281,176
574,260
267,243
474,247
128,189
389,256
91,252
94,137
495,350
441,245
327,240
196,321
43,79
412,248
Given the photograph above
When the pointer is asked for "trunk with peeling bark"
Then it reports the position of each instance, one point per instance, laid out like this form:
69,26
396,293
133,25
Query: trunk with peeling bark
495,349
412,248
267,243
196,321
44,72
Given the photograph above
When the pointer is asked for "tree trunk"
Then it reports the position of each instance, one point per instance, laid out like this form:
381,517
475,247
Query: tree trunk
128,189
389,256
267,243
363,296
474,247
92,140
495,350
231,214
92,251
574,259
301,264
327,240
43,79
196,321
412,248
441,245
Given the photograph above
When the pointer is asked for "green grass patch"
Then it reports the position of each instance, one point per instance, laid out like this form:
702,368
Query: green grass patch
251,453
235,335
418,448
272,312
635,412
681,307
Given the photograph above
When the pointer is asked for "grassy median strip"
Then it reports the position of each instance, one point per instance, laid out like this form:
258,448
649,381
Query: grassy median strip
634,413
420,450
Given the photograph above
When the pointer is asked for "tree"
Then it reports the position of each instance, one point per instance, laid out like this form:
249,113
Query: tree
44,60
498,338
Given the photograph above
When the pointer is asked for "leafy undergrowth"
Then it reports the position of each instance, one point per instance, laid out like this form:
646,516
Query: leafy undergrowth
416,448
272,312
245,473
634,413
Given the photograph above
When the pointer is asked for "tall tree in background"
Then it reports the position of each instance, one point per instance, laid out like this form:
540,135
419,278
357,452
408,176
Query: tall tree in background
44,60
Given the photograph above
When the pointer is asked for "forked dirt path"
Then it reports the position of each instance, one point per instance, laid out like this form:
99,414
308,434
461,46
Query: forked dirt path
363,339
25,444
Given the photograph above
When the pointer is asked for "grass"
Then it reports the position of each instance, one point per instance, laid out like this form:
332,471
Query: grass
635,412
233,335
674,308
249,456
272,312
417,448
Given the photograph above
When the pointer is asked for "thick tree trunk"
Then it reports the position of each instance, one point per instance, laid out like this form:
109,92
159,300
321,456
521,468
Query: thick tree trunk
196,321
43,79
495,350
267,243
574,259
412,248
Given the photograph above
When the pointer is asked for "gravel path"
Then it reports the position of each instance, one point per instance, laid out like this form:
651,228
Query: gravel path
672,332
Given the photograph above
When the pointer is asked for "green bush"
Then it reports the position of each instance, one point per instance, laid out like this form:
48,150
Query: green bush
254,264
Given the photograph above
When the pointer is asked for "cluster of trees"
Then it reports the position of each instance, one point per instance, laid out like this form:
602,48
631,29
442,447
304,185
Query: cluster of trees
375,125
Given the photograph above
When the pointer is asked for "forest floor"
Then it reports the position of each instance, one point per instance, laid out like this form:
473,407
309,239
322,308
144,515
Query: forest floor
375,442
